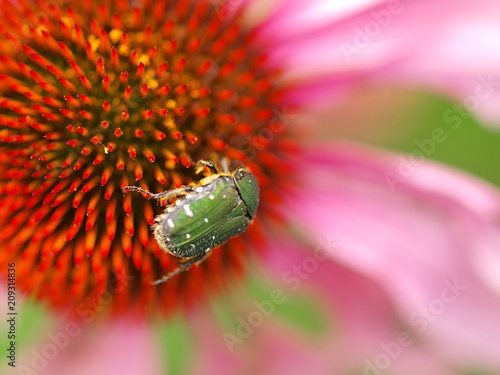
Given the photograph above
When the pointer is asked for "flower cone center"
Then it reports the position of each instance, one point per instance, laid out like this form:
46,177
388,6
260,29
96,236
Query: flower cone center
94,97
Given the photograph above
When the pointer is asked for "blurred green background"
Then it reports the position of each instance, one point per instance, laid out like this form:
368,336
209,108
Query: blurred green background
394,119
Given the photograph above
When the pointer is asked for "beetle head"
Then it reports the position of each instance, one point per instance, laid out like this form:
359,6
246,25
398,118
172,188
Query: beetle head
248,188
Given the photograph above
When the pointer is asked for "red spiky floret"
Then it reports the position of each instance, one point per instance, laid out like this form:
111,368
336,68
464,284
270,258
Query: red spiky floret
94,97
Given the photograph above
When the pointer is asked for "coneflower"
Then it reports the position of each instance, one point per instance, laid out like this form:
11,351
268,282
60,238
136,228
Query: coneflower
94,97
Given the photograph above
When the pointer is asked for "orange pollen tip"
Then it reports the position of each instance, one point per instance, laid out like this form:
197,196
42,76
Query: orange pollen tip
159,135
123,77
147,114
175,134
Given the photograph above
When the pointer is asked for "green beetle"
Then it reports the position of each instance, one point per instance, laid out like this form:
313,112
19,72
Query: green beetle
206,213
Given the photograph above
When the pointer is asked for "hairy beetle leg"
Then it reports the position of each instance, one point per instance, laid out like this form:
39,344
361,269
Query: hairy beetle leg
126,189
205,163
224,164
169,194
182,268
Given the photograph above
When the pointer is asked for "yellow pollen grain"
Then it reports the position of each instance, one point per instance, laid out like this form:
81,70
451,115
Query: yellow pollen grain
123,50
94,42
152,83
115,35
181,145
171,104
41,28
170,164
169,123
68,21
143,59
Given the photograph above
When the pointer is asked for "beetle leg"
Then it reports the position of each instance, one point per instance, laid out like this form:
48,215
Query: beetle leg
205,163
182,268
168,194
126,189
224,165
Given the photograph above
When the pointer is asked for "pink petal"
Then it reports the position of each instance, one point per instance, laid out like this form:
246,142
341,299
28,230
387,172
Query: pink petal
434,227
212,354
124,346
308,15
365,328
361,322
449,46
